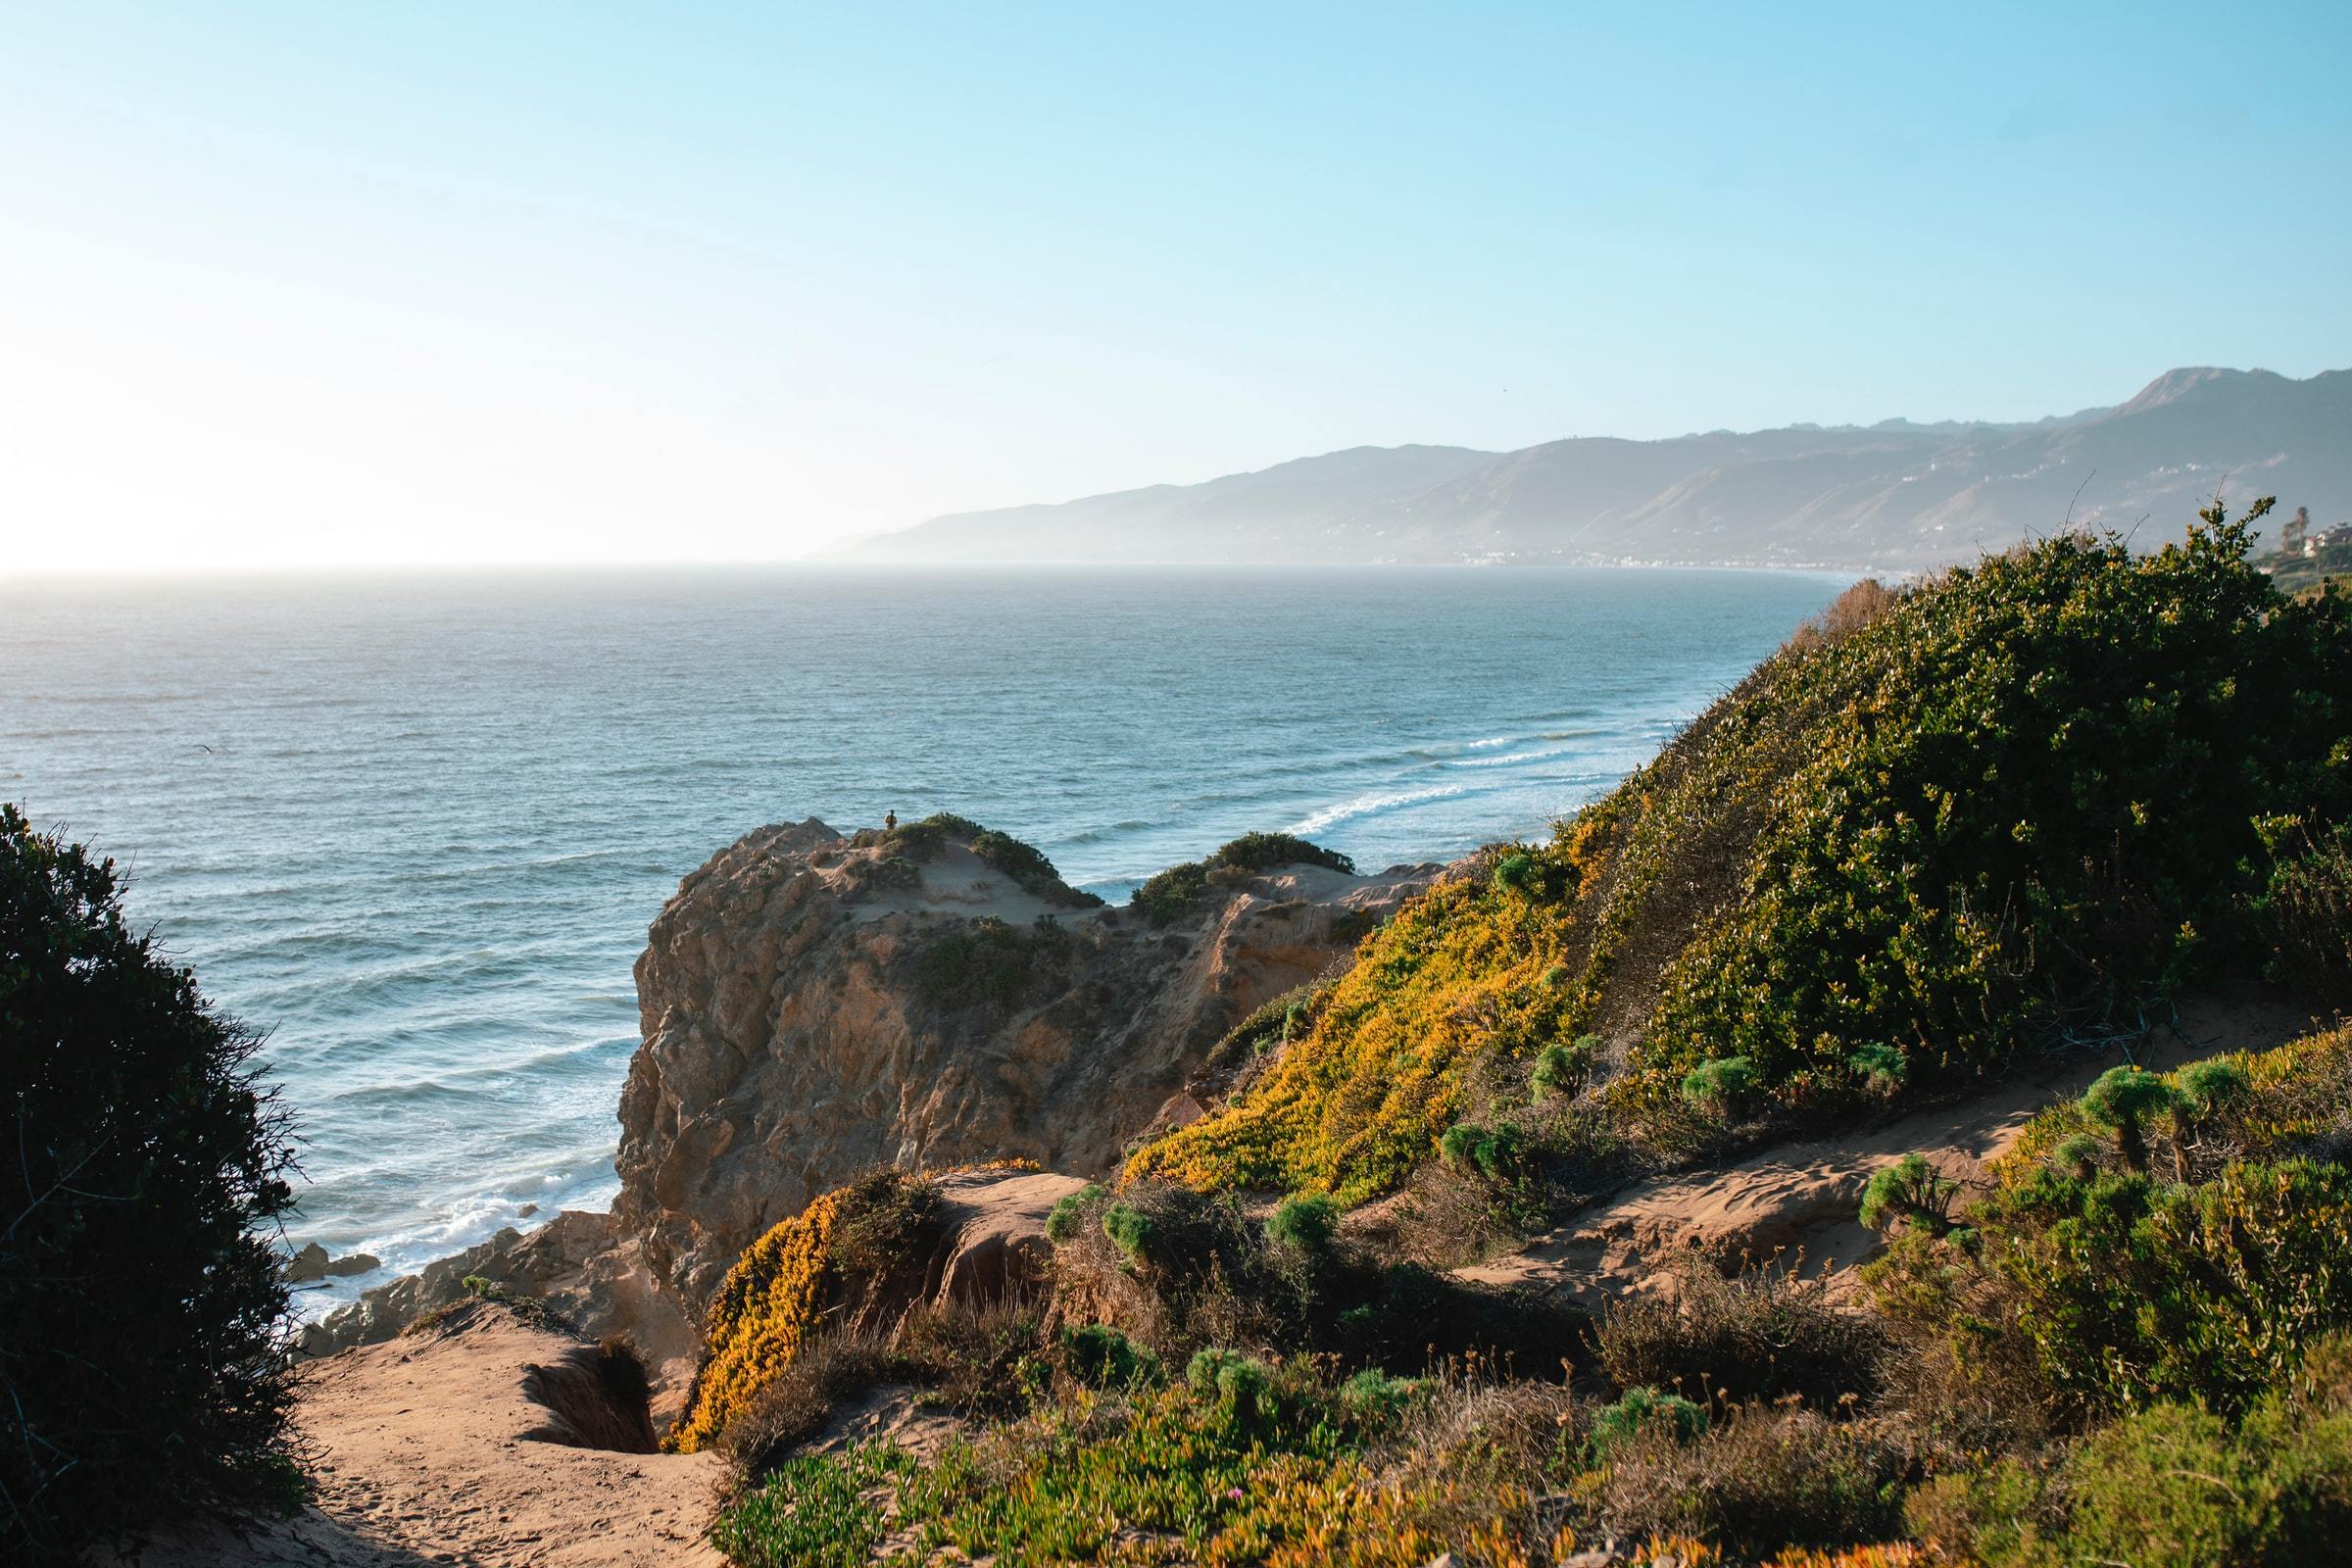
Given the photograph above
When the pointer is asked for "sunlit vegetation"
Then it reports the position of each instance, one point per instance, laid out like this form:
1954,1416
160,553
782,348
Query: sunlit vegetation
2018,808
1170,893
1023,862
2020,805
844,1247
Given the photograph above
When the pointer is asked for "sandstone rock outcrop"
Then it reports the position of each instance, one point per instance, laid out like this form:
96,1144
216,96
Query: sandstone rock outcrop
814,1004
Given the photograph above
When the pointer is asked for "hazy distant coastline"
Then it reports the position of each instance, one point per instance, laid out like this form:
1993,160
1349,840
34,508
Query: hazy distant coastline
1896,496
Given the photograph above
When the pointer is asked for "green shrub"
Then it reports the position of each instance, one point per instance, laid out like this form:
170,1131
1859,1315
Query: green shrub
1240,1382
2031,779
1517,872
143,1314
2133,1292
1067,1217
2123,1102
1558,1069
2079,1157
2305,905
1103,1357
1305,1223
1378,1397
1722,1086
1497,1153
1878,1066
990,964
1168,896
1640,1412
1908,1190
1131,1231
2173,1485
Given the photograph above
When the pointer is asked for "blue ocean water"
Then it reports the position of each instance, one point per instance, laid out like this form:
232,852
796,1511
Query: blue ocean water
416,825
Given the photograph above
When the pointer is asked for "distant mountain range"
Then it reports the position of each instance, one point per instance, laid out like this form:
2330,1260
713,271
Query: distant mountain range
1893,496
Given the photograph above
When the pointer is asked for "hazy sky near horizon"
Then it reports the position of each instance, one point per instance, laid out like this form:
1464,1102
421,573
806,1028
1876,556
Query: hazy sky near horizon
295,284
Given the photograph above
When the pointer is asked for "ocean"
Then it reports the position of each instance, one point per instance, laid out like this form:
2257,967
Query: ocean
414,825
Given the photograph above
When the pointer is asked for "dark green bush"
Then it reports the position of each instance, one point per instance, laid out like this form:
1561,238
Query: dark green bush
1067,1217
990,964
1559,1067
1499,1152
1722,1087
2023,800
1131,1231
2123,1102
143,1317
1640,1412
1101,1357
1908,1192
1168,896
2173,1485
1305,1223
2305,904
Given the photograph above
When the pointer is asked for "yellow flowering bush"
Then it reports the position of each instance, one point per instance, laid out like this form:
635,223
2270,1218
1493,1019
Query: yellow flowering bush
760,1319
1356,1102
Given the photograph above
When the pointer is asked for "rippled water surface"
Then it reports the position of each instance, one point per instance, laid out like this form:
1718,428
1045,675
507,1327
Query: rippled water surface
416,826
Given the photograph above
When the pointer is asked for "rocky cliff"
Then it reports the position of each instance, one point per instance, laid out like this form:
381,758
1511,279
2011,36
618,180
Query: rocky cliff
814,1004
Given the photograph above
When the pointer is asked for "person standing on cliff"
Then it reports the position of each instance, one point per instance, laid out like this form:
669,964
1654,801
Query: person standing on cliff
890,821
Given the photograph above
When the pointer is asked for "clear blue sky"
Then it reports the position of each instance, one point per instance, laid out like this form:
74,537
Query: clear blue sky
302,282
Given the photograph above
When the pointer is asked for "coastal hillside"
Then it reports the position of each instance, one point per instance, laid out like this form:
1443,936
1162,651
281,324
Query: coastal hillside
1902,1125
1978,934
1895,495
2018,808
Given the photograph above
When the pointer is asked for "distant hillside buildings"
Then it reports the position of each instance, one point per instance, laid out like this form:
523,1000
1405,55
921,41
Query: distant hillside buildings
2299,538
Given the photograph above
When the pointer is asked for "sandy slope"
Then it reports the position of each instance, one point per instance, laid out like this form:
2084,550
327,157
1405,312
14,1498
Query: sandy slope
428,1449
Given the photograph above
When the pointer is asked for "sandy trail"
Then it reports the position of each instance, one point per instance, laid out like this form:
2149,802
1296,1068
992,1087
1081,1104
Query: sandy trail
425,1449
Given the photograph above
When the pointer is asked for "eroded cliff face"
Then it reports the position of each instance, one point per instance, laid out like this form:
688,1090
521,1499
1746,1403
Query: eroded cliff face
814,1004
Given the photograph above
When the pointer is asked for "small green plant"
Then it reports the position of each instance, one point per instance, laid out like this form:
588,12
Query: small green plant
1557,1069
1305,1224
1377,1397
1517,872
1908,1192
2122,1102
2206,1090
1101,1357
1067,1217
1645,1410
1721,1087
1878,1066
1131,1231
1240,1384
2077,1157
1497,1153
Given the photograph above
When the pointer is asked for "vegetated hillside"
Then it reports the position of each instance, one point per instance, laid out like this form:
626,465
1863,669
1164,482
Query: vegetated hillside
2019,806
1895,495
2135,1348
